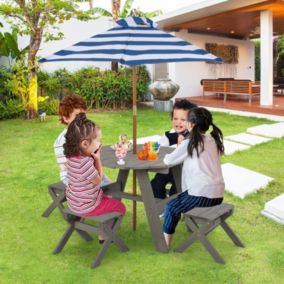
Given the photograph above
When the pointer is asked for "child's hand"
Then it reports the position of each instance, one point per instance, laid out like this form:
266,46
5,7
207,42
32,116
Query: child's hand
180,138
97,154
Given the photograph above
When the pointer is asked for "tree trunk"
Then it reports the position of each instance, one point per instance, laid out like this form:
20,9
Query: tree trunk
115,16
32,96
115,9
35,41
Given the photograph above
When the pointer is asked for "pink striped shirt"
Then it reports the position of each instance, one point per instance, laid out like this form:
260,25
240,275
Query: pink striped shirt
82,195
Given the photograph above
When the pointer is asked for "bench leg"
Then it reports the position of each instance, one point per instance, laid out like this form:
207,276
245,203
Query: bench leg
232,235
86,236
61,198
200,234
187,243
64,239
48,211
111,237
214,253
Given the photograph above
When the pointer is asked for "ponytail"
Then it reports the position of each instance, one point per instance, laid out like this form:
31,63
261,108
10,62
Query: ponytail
195,142
217,134
201,119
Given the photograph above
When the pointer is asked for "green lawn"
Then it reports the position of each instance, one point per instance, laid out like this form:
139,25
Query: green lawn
27,166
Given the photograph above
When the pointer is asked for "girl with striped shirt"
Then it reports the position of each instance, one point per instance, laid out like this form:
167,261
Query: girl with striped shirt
84,170
202,180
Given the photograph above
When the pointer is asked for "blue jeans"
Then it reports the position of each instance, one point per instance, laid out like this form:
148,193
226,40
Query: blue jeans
181,204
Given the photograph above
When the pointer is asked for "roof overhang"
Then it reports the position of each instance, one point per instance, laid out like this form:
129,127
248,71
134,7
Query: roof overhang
229,18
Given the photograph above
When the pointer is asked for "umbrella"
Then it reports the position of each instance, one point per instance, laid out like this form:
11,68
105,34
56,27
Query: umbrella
133,41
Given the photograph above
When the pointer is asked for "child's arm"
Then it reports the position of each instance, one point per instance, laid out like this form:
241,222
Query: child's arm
180,138
178,155
98,165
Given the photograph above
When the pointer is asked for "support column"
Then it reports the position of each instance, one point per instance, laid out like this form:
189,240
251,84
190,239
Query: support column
266,55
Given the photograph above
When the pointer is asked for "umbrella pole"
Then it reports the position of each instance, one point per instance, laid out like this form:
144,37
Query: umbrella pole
134,125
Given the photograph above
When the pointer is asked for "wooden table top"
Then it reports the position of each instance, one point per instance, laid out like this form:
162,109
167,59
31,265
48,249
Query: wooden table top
109,159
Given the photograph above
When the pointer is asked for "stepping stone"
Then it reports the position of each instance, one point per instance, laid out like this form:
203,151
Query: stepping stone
248,139
274,209
275,130
232,147
241,181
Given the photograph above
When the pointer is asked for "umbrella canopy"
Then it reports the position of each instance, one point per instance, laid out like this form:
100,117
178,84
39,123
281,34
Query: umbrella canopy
133,41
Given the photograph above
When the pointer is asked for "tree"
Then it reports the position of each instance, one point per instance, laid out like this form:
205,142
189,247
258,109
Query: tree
9,47
39,19
126,11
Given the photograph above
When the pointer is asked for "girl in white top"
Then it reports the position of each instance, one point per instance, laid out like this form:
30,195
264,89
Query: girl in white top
202,180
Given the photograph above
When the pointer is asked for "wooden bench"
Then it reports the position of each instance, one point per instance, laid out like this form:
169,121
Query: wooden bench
105,225
232,87
201,221
59,190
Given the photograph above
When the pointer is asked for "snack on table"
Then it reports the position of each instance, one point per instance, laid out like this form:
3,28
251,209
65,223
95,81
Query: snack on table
149,152
122,139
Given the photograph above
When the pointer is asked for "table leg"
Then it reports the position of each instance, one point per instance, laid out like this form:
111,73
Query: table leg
176,170
122,179
151,211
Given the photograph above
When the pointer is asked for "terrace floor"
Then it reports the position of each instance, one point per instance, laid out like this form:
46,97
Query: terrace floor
241,103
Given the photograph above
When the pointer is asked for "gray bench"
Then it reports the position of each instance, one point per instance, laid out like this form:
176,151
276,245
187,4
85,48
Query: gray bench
201,221
59,190
106,225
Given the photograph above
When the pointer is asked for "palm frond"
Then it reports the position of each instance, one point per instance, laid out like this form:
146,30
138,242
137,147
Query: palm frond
126,8
101,11
152,14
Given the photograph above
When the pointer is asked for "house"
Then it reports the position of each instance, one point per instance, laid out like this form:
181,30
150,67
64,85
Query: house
225,22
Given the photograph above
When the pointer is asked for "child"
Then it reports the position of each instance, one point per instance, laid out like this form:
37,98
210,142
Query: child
174,136
202,180
69,107
84,170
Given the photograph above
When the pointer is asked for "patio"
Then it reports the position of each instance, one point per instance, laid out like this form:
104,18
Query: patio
240,103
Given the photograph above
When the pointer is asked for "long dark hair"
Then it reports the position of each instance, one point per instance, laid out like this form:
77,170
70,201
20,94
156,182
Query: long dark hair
79,129
202,120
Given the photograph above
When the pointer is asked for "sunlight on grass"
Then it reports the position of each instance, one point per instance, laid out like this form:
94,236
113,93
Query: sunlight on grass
27,166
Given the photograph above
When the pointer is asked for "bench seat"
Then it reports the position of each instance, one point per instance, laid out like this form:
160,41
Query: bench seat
231,87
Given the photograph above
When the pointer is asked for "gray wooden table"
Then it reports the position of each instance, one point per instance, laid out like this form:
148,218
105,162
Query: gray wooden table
153,207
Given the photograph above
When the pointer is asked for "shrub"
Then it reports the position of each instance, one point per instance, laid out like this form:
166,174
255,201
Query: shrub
54,84
98,88
5,75
50,106
11,108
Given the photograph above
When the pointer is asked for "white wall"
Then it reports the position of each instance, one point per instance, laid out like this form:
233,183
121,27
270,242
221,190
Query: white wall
75,31
189,74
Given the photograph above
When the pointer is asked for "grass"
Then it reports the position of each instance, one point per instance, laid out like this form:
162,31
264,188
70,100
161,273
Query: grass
27,166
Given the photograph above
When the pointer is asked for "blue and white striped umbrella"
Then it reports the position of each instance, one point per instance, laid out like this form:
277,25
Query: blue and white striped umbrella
133,41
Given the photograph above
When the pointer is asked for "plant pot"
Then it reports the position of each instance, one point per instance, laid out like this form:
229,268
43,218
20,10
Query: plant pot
163,89
163,106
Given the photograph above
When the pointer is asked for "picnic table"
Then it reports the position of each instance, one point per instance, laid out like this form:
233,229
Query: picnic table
153,207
